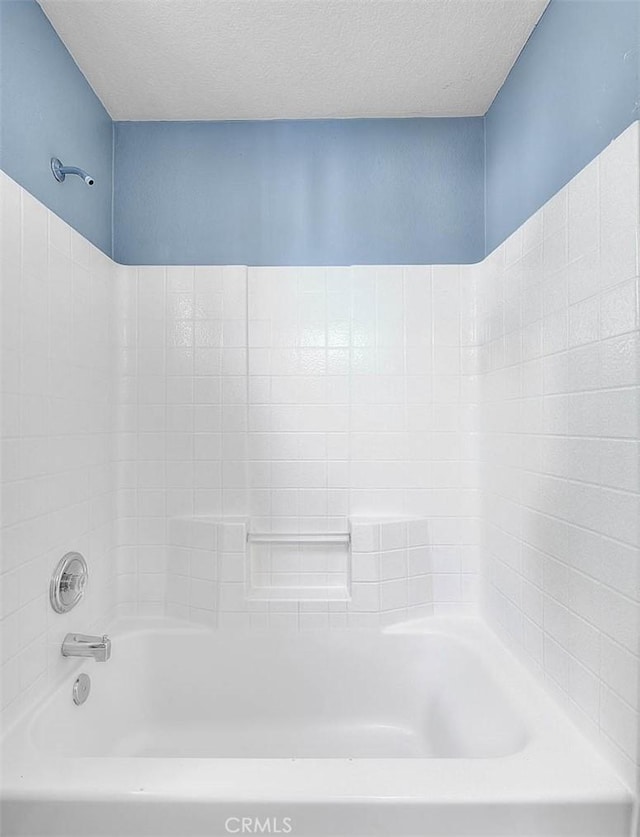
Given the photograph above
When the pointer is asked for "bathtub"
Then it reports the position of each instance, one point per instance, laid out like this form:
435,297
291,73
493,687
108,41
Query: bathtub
430,728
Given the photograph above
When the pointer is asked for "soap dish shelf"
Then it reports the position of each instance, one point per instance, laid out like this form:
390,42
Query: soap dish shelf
340,541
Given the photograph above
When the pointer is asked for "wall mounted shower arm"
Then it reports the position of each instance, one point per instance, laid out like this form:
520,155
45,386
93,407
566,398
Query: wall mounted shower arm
60,172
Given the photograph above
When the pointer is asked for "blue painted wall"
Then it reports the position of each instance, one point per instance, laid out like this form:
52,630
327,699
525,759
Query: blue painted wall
48,109
299,192
320,192
574,88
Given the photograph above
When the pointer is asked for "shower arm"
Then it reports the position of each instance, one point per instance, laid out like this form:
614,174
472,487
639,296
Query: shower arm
60,172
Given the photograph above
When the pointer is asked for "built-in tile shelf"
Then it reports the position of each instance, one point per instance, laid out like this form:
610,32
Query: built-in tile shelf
221,570
302,567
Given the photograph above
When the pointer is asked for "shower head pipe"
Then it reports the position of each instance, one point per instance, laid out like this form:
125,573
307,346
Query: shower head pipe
60,172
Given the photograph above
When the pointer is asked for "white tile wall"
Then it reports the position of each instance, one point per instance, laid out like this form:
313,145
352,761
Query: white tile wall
56,435
297,398
362,402
391,571
194,568
558,326
181,413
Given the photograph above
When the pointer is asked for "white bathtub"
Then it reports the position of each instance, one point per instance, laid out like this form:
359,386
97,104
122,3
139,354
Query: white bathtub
427,729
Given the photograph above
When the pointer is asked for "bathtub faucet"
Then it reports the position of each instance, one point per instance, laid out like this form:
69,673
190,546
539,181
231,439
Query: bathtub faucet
85,645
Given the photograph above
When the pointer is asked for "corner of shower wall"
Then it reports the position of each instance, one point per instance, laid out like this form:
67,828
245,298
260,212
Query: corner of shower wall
560,413
57,437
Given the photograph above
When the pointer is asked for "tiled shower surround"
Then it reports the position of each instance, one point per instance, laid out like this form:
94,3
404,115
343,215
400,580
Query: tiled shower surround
473,429
559,392
58,479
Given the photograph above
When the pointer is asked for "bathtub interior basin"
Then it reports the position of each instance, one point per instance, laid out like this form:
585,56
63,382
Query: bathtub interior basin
428,729
191,693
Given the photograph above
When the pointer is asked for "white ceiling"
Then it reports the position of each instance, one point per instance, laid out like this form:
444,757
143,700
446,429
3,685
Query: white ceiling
297,59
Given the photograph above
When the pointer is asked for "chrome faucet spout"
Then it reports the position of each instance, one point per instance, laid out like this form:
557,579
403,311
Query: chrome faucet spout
85,645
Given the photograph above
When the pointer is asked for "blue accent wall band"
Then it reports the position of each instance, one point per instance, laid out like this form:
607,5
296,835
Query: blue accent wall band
574,88
332,192
48,109
319,192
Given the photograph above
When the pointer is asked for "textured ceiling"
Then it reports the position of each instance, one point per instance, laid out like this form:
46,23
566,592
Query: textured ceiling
298,59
